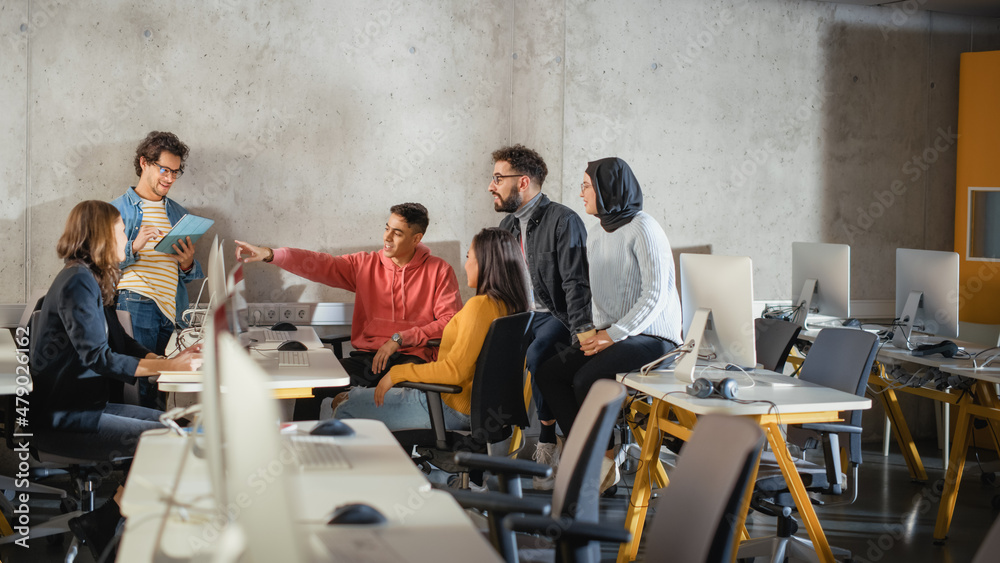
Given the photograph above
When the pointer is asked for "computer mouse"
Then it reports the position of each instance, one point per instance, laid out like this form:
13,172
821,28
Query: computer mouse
332,427
284,327
852,323
356,514
293,345
946,348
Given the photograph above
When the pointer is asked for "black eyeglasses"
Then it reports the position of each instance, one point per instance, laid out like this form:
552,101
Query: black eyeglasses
498,177
164,170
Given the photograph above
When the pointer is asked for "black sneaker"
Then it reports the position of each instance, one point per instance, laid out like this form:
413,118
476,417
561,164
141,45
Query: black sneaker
97,529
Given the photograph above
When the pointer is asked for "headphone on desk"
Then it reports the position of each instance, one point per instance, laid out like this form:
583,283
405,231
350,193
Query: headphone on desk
702,388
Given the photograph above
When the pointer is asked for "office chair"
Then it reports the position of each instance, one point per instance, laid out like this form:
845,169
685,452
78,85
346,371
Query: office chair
840,358
697,513
575,495
497,400
774,339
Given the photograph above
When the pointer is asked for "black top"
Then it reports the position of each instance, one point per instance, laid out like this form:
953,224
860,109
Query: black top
71,357
557,261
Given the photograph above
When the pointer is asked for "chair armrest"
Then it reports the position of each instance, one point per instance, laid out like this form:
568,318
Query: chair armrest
498,465
432,387
831,427
566,528
492,501
338,344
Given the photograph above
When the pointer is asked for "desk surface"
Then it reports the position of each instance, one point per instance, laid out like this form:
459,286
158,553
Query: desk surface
423,524
324,370
802,397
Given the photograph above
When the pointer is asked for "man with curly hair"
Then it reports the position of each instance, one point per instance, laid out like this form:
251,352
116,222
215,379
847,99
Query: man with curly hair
554,243
152,287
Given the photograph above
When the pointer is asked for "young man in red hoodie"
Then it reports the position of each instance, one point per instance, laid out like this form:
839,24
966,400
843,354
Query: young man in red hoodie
403,295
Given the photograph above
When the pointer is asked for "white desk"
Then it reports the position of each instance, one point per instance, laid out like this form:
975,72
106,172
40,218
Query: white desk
802,403
423,524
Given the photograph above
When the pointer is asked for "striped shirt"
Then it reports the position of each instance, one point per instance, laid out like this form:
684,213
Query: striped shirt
632,281
154,274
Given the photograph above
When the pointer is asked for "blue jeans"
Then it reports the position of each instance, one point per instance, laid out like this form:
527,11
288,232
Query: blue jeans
403,409
117,434
152,329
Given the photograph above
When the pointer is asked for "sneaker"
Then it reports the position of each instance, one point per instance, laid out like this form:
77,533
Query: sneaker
609,469
546,454
97,529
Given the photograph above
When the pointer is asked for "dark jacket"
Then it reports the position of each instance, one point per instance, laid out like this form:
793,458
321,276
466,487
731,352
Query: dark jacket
71,356
557,258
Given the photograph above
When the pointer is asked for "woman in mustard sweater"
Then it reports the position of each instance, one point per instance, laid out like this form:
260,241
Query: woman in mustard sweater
495,267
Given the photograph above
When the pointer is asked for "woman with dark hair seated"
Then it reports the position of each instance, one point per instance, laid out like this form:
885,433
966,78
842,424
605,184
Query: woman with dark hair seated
495,267
72,361
636,308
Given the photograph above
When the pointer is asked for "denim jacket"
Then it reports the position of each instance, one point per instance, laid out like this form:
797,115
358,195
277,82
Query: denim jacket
130,206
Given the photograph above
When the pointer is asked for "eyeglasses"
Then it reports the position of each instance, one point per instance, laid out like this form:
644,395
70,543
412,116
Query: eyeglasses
584,187
497,178
164,170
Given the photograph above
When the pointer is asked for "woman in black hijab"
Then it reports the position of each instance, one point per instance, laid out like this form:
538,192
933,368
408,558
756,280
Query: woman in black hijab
635,304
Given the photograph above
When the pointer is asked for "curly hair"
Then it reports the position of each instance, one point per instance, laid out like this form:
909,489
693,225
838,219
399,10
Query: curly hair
414,214
523,161
154,144
89,238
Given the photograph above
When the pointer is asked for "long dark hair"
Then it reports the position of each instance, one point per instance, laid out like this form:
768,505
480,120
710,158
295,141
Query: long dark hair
502,275
89,238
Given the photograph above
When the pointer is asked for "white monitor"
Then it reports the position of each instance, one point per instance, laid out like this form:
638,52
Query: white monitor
821,280
717,304
216,273
926,294
239,314
259,471
213,433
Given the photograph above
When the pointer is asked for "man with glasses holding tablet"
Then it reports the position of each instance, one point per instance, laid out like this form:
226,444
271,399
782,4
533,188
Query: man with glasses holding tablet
554,243
152,287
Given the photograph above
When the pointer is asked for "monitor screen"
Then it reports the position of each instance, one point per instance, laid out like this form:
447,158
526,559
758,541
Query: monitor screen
926,294
717,305
821,280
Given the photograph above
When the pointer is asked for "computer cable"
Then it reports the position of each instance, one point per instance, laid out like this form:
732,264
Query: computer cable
994,356
675,353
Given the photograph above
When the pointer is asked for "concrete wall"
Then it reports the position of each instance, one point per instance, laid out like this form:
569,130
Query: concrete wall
750,124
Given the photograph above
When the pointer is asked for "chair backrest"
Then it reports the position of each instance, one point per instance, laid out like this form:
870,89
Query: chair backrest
497,388
698,511
841,358
577,487
989,550
774,339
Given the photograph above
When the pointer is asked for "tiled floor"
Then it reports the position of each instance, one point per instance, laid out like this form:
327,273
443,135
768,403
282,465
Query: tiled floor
893,519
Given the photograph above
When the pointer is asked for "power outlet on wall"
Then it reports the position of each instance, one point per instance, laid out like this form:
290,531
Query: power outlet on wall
270,313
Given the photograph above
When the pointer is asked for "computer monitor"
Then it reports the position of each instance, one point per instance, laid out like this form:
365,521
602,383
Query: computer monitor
212,433
821,280
216,273
239,317
253,455
926,294
717,306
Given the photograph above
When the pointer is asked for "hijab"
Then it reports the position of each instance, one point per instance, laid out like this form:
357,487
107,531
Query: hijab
619,196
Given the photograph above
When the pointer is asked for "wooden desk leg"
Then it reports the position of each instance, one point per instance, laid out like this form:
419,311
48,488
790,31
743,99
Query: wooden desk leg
639,433
635,516
798,490
902,432
953,477
987,396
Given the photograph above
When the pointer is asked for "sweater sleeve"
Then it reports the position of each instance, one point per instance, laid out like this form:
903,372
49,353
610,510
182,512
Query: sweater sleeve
447,303
654,275
83,316
463,340
335,271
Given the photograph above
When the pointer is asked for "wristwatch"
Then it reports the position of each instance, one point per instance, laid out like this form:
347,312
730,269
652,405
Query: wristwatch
397,339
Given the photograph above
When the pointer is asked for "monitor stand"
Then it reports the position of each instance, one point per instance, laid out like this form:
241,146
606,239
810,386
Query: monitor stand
904,328
803,303
684,369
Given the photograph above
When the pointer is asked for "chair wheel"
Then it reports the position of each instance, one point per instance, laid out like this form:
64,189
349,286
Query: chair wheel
988,478
68,505
610,492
